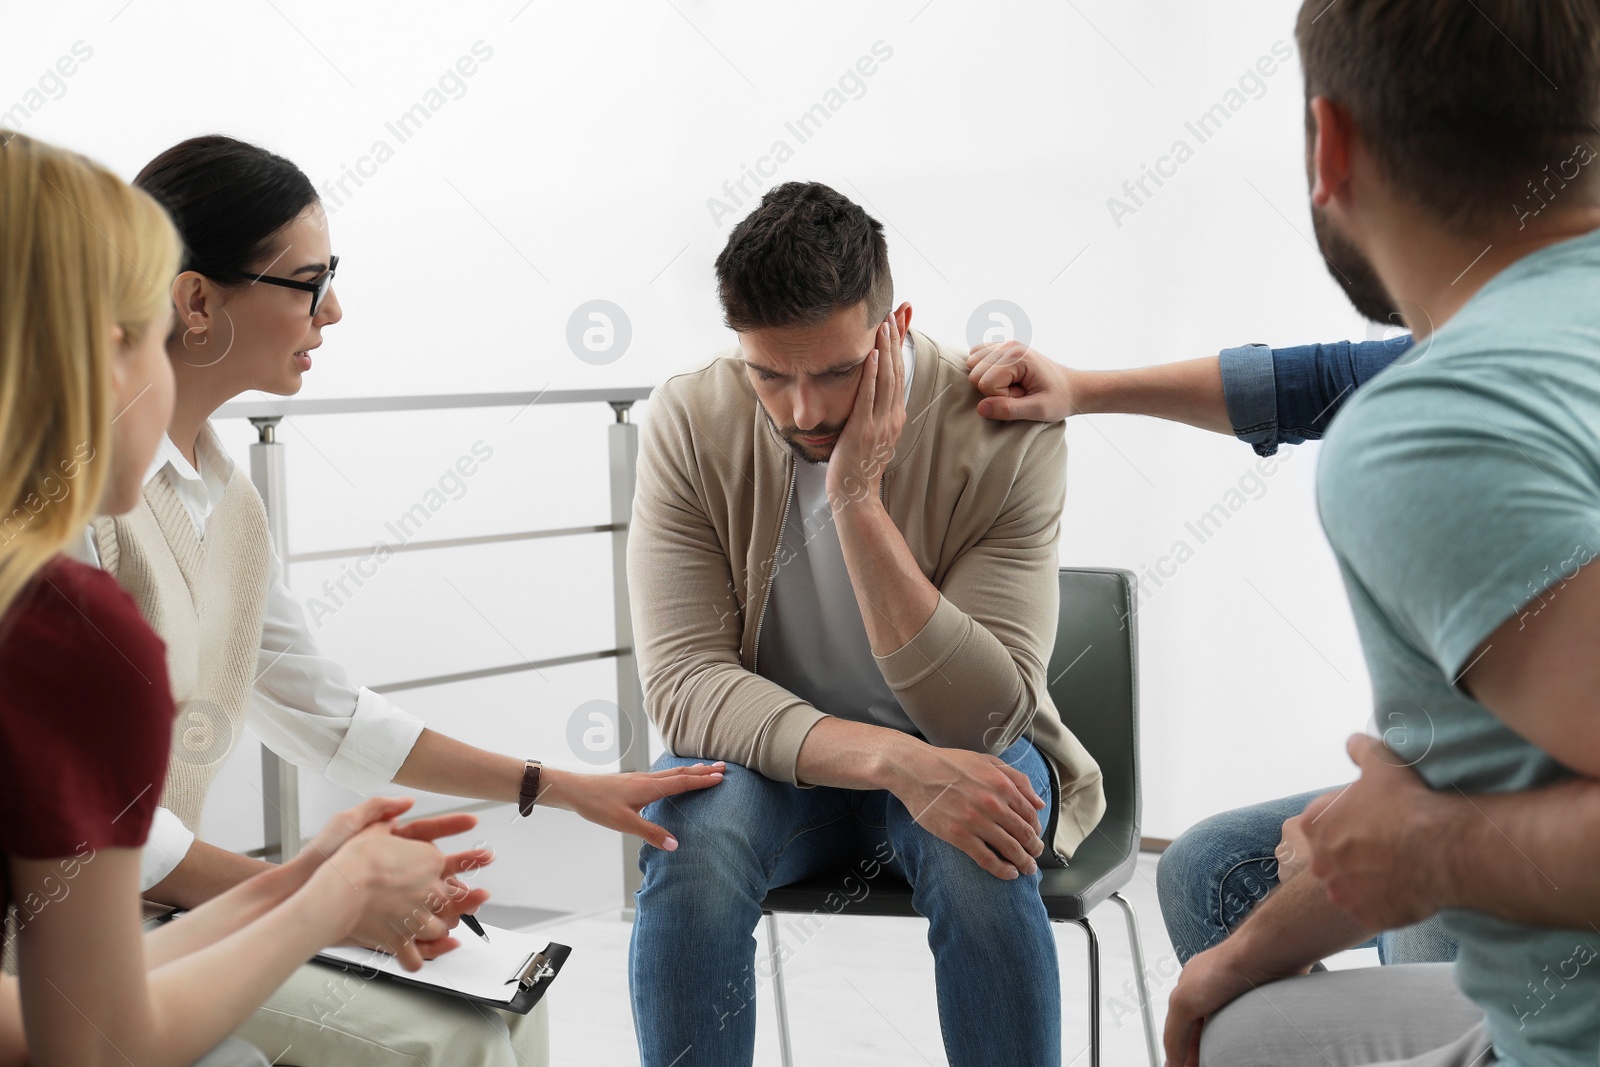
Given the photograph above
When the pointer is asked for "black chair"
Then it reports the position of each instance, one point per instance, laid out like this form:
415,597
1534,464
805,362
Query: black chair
1093,679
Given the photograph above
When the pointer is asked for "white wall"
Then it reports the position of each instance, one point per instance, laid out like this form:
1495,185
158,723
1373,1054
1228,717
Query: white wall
578,161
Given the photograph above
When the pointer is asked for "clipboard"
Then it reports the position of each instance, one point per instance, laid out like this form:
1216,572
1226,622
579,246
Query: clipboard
535,974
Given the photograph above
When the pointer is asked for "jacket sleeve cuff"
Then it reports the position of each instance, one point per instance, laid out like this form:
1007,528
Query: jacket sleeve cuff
1250,389
780,745
379,739
925,653
164,849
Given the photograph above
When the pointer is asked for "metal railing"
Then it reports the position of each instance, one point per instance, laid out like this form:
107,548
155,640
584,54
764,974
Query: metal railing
280,783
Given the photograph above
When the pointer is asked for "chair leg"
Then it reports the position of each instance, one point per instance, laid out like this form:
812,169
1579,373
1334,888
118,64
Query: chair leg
1146,1008
784,1052
1094,992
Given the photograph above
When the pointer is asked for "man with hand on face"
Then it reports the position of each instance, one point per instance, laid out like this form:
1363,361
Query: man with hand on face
844,582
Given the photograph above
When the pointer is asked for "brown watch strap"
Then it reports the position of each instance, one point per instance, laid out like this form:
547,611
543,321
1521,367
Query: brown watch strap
531,770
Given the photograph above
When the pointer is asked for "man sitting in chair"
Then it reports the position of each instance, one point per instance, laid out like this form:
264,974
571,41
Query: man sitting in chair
844,585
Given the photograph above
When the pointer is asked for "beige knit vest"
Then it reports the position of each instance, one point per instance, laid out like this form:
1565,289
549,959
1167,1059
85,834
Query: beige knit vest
207,598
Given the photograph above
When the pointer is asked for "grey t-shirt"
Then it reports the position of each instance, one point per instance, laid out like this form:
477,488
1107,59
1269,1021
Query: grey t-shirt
813,642
1459,490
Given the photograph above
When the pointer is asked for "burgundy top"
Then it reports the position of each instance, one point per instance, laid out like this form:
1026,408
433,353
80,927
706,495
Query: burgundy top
85,721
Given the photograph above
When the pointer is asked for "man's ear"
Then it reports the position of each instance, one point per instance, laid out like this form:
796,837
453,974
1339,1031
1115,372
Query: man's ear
902,318
1330,137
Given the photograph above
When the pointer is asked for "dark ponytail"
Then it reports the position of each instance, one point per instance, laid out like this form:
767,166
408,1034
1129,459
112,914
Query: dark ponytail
228,198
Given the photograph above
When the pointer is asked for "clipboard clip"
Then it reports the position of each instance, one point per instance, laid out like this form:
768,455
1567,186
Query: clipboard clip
537,969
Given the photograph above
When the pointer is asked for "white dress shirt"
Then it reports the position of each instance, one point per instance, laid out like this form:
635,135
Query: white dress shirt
813,642
304,706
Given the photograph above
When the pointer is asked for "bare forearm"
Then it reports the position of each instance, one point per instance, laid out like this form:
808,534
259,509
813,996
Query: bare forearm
1189,391
13,1042
846,754
90,997
895,598
1548,876
1292,929
222,915
441,764
1296,926
196,932
206,871
968,799
207,991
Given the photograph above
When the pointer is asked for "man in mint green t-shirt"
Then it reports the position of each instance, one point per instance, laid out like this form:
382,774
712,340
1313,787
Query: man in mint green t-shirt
1454,156
1461,495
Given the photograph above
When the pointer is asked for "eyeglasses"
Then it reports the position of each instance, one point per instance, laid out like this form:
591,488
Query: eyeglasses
318,289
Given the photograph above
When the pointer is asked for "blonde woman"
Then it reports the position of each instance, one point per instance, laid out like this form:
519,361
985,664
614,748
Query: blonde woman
86,392
254,298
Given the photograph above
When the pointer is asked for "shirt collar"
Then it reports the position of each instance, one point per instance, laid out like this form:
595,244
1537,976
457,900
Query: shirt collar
215,465
908,348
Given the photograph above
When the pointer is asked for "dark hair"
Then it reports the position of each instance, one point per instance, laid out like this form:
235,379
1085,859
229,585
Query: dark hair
801,255
228,198
1461,104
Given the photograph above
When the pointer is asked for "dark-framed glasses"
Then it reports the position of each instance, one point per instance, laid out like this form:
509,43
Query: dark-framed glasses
318,289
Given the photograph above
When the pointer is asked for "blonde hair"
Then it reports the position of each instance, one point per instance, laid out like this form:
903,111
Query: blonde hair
81,251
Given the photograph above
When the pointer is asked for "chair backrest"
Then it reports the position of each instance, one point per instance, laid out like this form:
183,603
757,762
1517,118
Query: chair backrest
1094,681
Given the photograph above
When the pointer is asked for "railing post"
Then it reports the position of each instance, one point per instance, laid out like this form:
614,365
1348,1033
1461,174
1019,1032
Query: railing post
280,779
624,441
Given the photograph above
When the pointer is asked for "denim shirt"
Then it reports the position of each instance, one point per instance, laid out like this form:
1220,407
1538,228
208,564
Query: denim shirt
1287,396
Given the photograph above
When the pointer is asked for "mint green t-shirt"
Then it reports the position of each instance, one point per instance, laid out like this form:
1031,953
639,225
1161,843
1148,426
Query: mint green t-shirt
1460,489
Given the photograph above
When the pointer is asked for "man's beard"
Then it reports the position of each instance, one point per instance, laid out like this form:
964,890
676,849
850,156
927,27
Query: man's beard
1352,270
809,453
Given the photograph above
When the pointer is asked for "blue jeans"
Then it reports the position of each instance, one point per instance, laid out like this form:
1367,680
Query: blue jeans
1221,867
692,969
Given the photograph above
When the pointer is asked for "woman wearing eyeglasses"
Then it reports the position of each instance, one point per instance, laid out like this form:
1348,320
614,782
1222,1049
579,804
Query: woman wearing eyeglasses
252,300
85,708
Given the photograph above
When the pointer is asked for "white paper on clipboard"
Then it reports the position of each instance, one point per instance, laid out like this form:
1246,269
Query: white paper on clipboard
476,968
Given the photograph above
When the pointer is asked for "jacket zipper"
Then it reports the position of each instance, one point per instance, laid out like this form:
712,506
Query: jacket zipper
766,598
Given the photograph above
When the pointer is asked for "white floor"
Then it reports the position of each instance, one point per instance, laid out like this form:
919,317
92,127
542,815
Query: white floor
861,990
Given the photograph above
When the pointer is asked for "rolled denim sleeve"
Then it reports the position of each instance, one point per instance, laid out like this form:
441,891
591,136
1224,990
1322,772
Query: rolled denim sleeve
1279,396
1249,385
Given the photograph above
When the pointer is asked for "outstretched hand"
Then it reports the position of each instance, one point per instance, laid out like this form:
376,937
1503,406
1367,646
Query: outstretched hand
1020,383
615,800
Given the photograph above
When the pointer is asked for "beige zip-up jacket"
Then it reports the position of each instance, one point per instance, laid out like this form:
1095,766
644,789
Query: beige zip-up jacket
979,504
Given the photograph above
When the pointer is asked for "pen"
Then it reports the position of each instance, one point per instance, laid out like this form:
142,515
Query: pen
474,926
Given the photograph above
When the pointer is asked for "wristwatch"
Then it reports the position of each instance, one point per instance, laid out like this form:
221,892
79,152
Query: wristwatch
530,785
